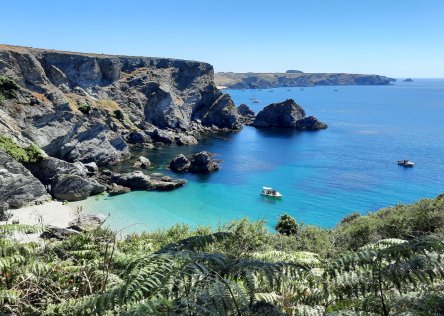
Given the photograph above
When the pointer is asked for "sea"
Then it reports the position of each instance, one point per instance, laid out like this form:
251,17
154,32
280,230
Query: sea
323,175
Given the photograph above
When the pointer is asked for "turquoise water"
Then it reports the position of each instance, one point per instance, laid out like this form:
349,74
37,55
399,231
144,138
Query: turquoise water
323,175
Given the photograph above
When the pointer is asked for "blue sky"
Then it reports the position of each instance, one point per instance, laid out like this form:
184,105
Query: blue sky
390,37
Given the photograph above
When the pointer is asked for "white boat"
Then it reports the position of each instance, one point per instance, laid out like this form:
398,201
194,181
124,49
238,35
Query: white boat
267,191
406,163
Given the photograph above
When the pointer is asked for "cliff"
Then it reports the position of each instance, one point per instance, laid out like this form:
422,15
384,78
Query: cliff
89,107
273,80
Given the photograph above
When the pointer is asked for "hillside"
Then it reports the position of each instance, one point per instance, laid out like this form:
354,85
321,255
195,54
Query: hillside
273,80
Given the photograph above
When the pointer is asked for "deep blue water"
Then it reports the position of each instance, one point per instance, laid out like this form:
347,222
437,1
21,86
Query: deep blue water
323,175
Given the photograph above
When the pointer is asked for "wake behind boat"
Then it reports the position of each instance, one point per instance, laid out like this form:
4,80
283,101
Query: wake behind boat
270,192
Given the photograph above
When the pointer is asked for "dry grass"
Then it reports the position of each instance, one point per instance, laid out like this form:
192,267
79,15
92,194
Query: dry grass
107,105
39,96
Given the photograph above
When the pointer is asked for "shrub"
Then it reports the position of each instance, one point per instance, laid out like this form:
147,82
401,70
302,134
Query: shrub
84,108
8,88
119,115
287,225
29,154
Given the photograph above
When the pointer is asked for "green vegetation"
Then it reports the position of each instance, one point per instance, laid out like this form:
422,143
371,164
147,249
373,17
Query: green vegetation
84,108
8,88
386,263
29,154
119,115
287,225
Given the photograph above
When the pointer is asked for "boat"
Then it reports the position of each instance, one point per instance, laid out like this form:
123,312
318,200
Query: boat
255,101
270,192
406,163
250,98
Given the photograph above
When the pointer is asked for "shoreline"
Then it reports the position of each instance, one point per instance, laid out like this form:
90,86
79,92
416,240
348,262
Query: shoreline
53,213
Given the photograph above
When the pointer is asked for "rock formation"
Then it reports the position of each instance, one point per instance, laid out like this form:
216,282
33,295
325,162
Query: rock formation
201,162
246,113
89,107
18,187
287,114
139,181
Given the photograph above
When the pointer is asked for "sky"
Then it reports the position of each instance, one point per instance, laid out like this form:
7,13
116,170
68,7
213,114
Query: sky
391,37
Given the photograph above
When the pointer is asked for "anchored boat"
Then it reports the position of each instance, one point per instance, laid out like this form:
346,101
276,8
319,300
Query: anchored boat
406,163
270,192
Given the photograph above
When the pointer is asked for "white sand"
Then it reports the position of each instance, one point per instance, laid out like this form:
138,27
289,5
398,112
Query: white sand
51,213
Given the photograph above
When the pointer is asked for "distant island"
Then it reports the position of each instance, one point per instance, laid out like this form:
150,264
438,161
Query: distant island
408,80
295,78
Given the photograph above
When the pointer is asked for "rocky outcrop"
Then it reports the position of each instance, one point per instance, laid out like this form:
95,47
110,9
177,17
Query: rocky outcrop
68,181
142,162
118,189
408,80
89,107
287,114
140,181
275,80
180,164
18,187
201,162
246,113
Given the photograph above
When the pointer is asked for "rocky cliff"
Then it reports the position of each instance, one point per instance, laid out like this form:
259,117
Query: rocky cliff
273,80
89,107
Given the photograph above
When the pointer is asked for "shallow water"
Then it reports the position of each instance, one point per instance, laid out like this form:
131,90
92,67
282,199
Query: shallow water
323,175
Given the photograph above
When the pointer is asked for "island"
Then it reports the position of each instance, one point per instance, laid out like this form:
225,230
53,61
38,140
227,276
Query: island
408,80
294,78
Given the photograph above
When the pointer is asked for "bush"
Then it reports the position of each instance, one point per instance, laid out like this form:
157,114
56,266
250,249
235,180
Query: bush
119,115
84,108
8,88
29,154
287,225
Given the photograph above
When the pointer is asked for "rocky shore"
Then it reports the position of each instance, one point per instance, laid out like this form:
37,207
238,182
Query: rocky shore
65,117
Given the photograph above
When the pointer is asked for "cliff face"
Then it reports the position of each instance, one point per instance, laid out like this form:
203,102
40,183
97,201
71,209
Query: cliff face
84,107
274,80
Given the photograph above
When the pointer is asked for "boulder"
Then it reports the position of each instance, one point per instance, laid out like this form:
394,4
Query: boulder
87,222
53,232
18,187
75,188
142,162
49,168
186,140
202,162
137,138
180,164
91,167
166,184
162,136
286,114
118,189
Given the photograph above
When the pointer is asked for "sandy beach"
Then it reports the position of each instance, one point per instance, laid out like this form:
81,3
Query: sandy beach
51,213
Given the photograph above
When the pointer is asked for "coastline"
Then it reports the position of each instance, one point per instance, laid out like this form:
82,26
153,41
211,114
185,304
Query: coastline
53,213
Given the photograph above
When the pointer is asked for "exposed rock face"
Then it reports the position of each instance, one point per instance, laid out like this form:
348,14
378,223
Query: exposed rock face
287,114
75,188
18,187
139,181
180,164
293,79
201,162
68,181
88,107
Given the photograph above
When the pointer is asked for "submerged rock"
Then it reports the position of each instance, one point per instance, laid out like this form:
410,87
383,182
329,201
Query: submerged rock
287,114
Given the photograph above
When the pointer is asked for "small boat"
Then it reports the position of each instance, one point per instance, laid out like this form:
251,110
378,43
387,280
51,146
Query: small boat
255,101
406,163
288,89
250,98
270,192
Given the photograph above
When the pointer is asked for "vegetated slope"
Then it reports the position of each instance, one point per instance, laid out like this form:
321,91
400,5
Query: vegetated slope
273,80
386,263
